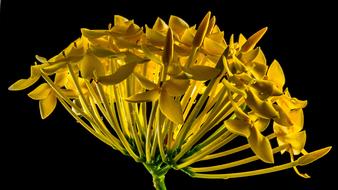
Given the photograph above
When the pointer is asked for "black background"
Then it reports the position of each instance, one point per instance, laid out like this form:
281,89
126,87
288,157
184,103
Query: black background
57,152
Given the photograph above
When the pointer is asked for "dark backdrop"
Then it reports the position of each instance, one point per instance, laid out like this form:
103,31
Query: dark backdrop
57,152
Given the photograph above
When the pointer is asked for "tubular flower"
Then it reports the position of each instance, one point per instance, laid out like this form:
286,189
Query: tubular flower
172,95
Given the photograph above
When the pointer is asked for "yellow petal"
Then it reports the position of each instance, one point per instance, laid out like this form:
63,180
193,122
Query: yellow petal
119,75
170,108
119,20
238,127
276,74
253,40
145,83
188,36
313,156
93,33
41,59
168,52
260,123
155,37
201,30
297,118
297,141
61,78
283,118
148,96
262,108
176,87
290,102
47,105
178,25
54,67
249,56
212,23
23,83
213,47
41,92
149,53
266,89
241,40
201,72
70,93
104,52
260,145
76,48
259,70
90,64
233,88
131,58
160,25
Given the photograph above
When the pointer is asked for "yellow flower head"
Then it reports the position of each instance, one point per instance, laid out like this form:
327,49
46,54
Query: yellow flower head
172,95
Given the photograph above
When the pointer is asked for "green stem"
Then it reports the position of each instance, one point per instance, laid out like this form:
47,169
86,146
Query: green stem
158,182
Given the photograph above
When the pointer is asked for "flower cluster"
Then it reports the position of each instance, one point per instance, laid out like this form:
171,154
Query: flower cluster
172,95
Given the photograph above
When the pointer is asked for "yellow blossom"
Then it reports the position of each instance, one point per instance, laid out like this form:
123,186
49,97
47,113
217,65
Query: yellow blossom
172,95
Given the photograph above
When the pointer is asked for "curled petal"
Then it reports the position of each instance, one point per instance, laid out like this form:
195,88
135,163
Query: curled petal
175,87
260,145
283,118
290,102
41,92
266,89
47,105
148,96
170,108
262,108
253,40
239,127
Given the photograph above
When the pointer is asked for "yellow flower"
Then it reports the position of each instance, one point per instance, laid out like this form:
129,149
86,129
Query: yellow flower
46,96
172,95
